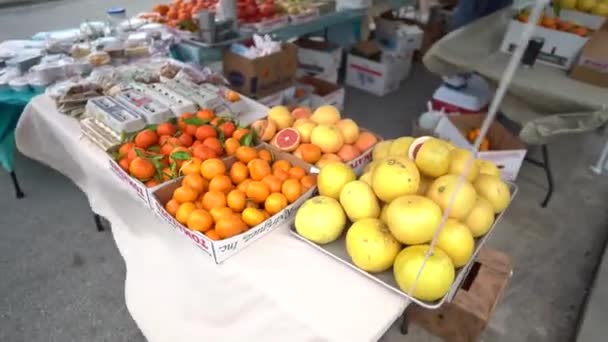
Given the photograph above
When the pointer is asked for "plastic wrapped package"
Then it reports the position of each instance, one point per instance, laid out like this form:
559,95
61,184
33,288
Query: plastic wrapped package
99,58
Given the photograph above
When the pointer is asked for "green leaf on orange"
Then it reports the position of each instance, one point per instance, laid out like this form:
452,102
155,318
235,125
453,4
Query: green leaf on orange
180,155
195,121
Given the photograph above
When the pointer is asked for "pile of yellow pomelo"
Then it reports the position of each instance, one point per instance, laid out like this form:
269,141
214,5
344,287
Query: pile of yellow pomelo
397,204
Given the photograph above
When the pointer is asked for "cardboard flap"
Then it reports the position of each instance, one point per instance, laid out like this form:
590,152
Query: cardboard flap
318,45
321,87
500,138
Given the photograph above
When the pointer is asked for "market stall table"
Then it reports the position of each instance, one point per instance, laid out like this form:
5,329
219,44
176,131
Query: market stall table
277,289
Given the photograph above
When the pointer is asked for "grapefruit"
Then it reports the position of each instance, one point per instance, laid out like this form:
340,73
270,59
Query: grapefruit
349,129
371,246
458,161
401,146
326,159
281,116
286,139
394,177
431,155
326,115
367,178
481,217
444,187
413,219
487,167
435,278
320,220
301,113
327,137
383,216
359,201
305,128
494,190
381,150
265,129
333,177
456,240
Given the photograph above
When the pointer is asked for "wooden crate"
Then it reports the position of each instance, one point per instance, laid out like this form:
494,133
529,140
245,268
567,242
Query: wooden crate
465,318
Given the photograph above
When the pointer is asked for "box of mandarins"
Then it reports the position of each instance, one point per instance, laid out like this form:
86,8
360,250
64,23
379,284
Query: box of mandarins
233,202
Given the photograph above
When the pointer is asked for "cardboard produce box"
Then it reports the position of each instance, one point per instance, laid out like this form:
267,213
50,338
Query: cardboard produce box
397,36
370,69
262,76
324,93
592,65
220,251
506,150
321,59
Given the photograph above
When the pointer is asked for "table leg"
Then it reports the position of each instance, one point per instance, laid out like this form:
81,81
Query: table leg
404,323
98,223
18,192
546,166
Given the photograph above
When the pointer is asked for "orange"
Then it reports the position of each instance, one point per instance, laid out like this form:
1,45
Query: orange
213,235
365,141
125,149
132,154
200,220
213,199
167,174
246,154
252,216
252,204
244,185
184,211
282,175
162,139
258,169
292,189
266,155
214,144
238,172
172,206
141,168
195,181
308,182
281,165
239,133
204,132
179,151
192,166
229,226
236,200
146,138
203,152
296,172
221,183
310,153
185,194
258,191
218,213
185,140
124,163
212,167
205,114
152,183
231,145
198,204
166,129
275,203
232,96
273,182
227,128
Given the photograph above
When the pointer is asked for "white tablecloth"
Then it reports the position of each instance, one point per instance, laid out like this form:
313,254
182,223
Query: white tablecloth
278,289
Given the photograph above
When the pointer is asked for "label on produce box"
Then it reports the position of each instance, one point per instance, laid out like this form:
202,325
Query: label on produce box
139,188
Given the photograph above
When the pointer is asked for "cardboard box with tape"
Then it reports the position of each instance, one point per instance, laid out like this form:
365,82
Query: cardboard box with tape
592,65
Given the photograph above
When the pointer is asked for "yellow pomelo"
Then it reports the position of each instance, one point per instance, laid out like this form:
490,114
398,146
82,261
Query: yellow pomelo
442,189
381,149
457,241
370,167
366,177
320,220
333,177
400,146
481,218
432,157
487,167
350,130
394,177
327,137
413,219
383,212
371,246
359,201
326,115
281,116
458,162
435,278
494,190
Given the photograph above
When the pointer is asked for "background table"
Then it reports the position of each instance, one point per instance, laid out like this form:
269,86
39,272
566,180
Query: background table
278,289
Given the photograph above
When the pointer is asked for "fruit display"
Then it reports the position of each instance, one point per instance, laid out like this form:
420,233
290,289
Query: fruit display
596,7
390,214
171,149
318,137
223,199
472,136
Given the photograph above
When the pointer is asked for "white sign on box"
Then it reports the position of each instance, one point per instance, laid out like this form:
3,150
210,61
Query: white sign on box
379,78
398,37
319,58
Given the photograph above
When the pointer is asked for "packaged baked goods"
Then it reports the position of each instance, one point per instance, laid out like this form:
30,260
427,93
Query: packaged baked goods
99,58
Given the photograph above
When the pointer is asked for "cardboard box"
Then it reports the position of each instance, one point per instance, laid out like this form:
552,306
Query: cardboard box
321,59
324,93
139,189
262,76
370,69
592,65
560,49
507,151
220,251
396,36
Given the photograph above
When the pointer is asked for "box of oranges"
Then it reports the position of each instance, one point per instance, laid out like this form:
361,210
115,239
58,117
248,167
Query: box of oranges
225,205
